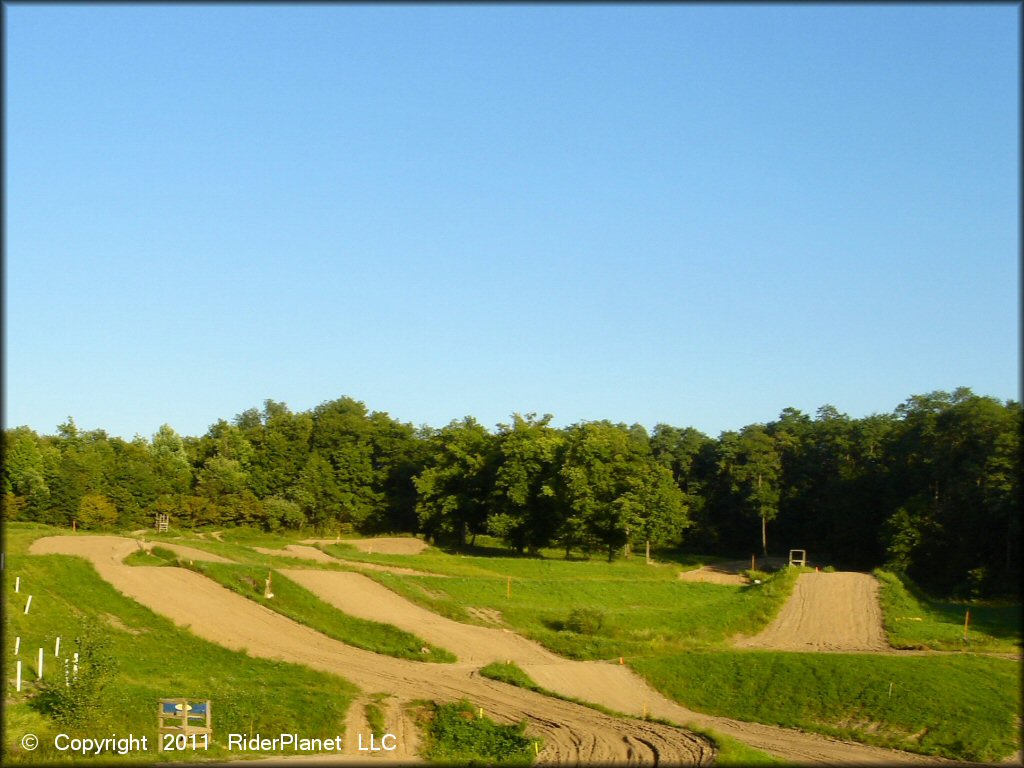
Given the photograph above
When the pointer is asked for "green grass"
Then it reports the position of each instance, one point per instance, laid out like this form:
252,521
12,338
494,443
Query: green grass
155,556
155,660
492,562
640,616
375,717
961,706
456,734
735,754
509,673
912,620
300,604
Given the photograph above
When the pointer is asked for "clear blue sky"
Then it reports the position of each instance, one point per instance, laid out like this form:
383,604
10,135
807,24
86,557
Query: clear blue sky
689,214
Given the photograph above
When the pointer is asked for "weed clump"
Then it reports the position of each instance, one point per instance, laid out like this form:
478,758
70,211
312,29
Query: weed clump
585,621
459,734
78,701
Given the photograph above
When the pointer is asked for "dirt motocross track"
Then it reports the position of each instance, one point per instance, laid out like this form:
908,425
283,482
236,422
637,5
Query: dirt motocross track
827,612
572,733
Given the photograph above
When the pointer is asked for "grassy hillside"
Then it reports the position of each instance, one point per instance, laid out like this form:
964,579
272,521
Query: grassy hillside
953,706
154,659
633,614
913,620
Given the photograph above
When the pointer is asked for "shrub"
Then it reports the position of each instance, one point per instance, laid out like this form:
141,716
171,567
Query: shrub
459,734
585,621
79,700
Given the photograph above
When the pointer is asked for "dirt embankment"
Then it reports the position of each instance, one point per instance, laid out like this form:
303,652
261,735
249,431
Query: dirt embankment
827,612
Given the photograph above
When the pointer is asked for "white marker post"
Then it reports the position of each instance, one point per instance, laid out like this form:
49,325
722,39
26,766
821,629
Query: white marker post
67,672
17,679
40,663
17,645
74,666
56,647
17,583
28,604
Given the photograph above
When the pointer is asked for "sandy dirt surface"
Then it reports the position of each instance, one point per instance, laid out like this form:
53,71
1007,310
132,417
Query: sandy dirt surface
399,545
709,574
360,596
827,612
572,734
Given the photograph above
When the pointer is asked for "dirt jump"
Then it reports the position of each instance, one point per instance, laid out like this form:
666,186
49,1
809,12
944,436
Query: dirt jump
571,733
305,552
827,612
396,545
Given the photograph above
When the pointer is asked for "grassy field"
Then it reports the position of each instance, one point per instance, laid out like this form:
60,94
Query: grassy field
912,620
154,659
958,706
637,614
493,561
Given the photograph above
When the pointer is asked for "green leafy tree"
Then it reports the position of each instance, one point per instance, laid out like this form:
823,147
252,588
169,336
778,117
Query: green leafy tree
456,483
526,506
96,511
343,435
751,462
317,492
170,461
614,488
24,471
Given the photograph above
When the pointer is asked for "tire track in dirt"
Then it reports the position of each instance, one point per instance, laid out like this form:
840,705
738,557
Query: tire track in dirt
613,686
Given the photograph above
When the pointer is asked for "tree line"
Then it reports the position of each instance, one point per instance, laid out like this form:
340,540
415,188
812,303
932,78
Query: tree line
931,489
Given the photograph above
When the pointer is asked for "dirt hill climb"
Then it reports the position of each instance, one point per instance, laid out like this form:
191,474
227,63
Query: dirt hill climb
827,612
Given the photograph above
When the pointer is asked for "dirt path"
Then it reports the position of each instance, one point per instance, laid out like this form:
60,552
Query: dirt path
360,596
709,574
827,612
572,734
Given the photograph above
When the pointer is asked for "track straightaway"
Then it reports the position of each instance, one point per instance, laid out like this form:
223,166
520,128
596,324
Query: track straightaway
827,612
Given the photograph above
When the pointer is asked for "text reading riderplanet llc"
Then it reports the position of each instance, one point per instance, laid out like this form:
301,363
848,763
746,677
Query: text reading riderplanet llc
259,743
